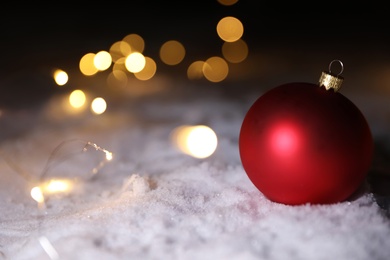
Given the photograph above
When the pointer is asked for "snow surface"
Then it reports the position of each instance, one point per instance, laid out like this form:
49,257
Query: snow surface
154,202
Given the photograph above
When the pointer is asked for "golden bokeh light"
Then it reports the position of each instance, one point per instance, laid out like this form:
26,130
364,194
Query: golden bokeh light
102,60
135,41
135,62
230,29
119,64
77,98
115,51
148,71
199,141
125,48
215,69
98,105
117,78
235,52
195,70
87,66
172,52
60,77
227,2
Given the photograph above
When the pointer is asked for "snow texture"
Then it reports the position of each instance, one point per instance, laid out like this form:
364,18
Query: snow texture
154,202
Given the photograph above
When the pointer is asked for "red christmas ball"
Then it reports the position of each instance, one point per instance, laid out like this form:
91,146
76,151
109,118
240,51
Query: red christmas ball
301,143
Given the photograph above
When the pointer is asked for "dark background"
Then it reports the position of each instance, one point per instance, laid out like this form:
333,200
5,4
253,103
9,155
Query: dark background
285,39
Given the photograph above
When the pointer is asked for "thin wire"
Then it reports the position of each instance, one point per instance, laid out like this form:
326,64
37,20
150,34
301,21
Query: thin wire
28,177
43,240
49,163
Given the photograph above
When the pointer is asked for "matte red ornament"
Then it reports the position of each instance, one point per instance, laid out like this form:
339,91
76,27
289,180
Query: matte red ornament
305,143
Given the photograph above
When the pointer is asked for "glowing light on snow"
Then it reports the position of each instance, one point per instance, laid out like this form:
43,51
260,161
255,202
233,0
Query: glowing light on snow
37,195
50,187
57,186
108,155
199,141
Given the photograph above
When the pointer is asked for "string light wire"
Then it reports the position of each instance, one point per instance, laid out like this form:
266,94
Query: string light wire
38,193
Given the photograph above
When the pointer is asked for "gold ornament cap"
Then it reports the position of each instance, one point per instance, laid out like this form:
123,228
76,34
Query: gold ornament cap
330,80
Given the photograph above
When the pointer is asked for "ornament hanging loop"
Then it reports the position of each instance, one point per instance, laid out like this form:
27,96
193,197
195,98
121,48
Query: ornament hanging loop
341,65
330,80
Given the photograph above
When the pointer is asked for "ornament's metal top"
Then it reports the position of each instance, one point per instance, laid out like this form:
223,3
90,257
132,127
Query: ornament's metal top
330,80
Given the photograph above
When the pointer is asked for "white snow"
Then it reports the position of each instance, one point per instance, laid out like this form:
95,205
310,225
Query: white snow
154,202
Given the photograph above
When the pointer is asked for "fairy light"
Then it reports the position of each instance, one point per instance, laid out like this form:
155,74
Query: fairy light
57,186
53,186
127,56
108,155
37,195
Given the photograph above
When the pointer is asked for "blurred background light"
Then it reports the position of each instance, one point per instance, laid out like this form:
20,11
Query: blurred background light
215,69
102,60
230,29
116,50
77,98
60,77
125,48
135,41
135,62
98,105
87,66
148,71
235,52
227,2
172,52
195,70
199,141
117,78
